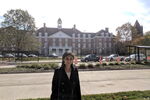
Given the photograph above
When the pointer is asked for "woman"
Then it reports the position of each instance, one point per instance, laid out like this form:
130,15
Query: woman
65,83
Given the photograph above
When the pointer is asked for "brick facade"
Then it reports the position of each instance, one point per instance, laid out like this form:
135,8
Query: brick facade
58,40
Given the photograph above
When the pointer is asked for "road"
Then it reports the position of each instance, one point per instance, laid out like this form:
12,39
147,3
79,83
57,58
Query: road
38,85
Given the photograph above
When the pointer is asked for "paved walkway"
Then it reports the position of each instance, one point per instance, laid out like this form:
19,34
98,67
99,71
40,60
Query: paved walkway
38,85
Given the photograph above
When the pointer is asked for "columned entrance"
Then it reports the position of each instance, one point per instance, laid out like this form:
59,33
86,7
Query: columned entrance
59,50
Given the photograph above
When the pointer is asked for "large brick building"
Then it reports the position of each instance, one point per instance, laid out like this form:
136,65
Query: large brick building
58,40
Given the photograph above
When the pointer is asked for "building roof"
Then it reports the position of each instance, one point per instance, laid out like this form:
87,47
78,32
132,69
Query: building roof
68,31
51,31
139,46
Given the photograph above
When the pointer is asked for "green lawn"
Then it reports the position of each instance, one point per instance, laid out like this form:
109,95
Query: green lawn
132,95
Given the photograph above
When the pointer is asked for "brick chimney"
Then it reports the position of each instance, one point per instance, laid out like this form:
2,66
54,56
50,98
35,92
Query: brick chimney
74,26
44,25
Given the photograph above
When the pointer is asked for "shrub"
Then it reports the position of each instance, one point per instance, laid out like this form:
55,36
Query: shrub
116,63
104,64
39,66
111,63
90,66
97,65
82,66
53,65
133,63
122,63
35,66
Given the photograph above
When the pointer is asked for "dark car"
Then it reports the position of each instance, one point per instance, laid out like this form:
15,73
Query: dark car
53,55
90,57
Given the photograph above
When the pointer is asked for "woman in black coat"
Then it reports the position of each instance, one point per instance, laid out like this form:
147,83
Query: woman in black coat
65,83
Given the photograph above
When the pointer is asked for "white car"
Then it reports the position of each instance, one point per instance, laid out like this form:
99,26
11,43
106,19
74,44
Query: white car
9,55
132,57
1,56
113,57
21,55
32,55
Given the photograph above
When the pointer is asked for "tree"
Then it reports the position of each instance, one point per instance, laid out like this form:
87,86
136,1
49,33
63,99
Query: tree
17,31
19,19
145,40
123,38
124,33
6,40
11,40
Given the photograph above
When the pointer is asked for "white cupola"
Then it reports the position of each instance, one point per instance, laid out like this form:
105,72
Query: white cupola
59,22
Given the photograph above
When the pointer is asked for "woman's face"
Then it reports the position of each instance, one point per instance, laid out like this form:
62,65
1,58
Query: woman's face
68,60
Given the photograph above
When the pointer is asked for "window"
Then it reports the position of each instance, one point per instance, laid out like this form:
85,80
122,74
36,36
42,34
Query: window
73,35
78,35
37,34
89,35
86,35
83,35
43,34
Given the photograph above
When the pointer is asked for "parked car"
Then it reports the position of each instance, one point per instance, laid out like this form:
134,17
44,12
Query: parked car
32,55
113,57
21,55
1,56
135,57
90,57
9,55
53,55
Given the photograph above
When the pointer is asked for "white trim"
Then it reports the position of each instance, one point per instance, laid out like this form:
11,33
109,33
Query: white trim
60,34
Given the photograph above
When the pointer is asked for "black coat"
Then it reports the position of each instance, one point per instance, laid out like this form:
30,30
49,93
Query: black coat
64,88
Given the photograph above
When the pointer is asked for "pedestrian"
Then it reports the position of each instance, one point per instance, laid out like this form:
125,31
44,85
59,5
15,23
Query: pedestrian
66,83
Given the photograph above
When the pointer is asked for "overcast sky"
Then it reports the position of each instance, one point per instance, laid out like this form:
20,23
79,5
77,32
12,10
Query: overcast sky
88,15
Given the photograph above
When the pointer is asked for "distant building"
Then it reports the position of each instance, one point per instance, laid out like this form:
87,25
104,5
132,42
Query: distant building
139,30
59,40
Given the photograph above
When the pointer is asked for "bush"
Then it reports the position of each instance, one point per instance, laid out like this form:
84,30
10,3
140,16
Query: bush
116,63
104,64
98,65
53,65
90,66
39,66
82,66
122,63
111,63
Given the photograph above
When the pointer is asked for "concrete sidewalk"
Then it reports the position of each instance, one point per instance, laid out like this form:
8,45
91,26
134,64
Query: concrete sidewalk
38,85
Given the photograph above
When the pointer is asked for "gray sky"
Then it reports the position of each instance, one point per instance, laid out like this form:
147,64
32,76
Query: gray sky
88,15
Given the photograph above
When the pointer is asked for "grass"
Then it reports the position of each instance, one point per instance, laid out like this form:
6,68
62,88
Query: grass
131,95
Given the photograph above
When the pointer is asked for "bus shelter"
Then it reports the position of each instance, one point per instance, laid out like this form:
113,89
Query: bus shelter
138,49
